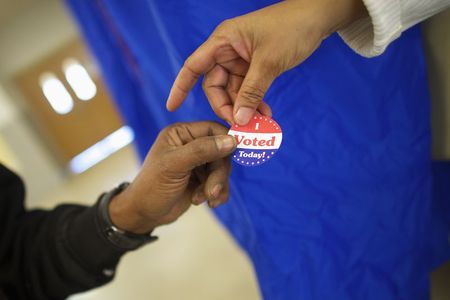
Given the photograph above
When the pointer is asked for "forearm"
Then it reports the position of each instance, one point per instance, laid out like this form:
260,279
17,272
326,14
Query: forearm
337,14
53,254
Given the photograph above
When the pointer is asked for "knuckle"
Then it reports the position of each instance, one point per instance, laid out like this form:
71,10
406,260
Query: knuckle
188,62
224,31
252,94
225,25
179,133
219,39
189,66
174,127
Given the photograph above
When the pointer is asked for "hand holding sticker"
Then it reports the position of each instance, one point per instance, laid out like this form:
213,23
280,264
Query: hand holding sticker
257,141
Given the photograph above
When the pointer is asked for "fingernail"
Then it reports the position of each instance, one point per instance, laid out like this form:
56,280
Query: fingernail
217,189
225,143
243,115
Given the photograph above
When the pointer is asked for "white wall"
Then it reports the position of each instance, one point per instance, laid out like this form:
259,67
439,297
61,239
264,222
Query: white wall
33,34
7,156
437,45
7,110
45,26
7,114
23,151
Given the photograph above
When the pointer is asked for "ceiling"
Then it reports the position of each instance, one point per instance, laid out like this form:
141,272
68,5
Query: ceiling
9,9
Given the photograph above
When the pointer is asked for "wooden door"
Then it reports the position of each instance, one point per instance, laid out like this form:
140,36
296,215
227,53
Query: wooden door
87,122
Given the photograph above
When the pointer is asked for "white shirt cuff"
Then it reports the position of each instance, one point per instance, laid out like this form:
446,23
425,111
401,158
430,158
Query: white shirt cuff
371,35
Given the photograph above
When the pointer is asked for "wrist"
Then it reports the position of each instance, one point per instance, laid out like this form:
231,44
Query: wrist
345,12
338,14
123,240
126,216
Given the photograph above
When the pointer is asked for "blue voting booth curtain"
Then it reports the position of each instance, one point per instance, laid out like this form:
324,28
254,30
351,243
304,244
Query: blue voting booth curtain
344,210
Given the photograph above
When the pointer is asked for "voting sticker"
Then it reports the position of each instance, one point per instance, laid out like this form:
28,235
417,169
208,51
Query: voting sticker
257,142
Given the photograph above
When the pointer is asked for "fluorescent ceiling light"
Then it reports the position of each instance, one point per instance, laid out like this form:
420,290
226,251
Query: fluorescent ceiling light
101,150
56,94
79,80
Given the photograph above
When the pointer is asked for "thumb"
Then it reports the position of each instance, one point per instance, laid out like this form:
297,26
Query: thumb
201,151
257,81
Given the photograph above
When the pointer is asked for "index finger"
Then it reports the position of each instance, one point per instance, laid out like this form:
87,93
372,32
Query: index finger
199,63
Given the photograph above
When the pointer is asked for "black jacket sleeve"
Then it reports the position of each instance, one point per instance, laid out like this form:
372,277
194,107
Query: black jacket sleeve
50,254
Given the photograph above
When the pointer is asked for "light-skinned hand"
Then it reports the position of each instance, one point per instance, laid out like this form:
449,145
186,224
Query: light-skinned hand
244,55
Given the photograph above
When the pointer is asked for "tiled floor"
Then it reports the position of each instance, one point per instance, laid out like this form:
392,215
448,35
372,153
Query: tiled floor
194,258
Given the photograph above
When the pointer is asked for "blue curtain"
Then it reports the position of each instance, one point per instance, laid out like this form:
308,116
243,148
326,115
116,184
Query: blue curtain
344,210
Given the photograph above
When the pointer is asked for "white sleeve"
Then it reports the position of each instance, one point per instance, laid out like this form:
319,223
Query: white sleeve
387,20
